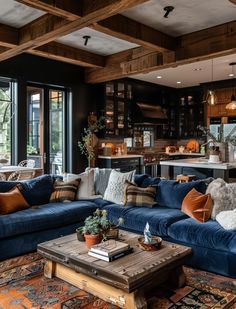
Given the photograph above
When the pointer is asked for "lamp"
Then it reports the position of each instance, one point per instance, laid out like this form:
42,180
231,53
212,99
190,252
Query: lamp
211,97
232,104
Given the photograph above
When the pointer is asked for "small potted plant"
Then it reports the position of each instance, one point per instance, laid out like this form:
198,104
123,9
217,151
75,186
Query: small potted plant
110,229
91,230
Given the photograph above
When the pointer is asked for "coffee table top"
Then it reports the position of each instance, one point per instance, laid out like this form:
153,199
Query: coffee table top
128,272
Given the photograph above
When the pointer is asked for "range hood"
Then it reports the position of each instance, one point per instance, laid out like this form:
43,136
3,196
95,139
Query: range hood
148,114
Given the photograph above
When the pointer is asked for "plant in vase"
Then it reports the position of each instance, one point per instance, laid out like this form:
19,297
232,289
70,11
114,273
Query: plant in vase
110,229
89,140
91,230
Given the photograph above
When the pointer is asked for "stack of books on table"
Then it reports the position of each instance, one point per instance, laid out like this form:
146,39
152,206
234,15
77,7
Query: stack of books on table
110,250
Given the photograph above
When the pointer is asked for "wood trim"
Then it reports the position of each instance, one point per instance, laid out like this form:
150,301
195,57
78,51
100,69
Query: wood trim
69,9
8,36
201,45
48,28
61,52
127,29
233,1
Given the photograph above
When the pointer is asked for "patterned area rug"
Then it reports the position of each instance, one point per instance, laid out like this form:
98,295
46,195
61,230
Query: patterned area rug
23,286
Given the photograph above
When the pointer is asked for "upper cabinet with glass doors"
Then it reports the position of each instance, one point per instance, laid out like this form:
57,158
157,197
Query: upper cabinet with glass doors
118,96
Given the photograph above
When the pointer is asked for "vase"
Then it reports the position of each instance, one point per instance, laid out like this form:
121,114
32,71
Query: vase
112,233
224,152
92,240
80,235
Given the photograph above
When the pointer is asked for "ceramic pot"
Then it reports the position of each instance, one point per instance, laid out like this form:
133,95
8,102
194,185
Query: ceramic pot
80,235
92,240
112,233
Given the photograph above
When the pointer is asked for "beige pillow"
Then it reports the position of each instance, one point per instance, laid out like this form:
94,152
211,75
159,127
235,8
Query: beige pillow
86,189
64,191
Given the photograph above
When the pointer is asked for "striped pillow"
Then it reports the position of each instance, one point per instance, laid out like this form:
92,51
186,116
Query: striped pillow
136,196
64,191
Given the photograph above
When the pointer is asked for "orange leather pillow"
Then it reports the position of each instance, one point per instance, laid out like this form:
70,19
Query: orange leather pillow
12,201
197,205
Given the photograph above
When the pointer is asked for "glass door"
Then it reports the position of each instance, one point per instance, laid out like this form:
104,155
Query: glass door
46,130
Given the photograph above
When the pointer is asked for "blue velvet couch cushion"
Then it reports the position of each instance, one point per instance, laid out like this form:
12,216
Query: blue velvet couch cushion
150,181
44,217
170,193
139,178
208,235
135,218
37,191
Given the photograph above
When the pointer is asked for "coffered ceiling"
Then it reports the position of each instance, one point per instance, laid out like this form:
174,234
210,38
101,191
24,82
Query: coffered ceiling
129,38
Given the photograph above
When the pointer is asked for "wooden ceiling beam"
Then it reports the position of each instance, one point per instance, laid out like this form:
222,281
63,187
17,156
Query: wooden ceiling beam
118,26
130,30
69,9
202,45
48,28
8,36
61,52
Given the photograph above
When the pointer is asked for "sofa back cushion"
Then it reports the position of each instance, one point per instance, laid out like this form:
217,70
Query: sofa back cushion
170,193
197,205
37,191
12,201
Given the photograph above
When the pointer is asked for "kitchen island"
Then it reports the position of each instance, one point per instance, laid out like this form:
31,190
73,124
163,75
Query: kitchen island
170,168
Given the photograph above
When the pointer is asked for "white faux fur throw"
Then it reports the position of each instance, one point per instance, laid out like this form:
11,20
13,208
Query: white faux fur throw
223,195
227,219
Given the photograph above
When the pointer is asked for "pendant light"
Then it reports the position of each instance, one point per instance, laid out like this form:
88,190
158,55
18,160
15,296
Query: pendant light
232,104
211,97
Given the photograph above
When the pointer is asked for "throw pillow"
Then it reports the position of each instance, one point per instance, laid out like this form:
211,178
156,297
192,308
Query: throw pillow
64,191
171,193
227,219
136,196
86,188
116,186
223,195
12,201
197,205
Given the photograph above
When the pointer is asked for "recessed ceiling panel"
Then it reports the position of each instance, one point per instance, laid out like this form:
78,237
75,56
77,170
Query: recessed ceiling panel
16,14
99,43
192,74
188,15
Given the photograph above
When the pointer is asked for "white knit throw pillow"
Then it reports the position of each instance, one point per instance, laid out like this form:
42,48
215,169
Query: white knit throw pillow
227,219
223,195
116,186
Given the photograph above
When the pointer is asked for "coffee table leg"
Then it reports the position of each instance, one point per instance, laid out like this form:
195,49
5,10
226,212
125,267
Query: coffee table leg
49,269
136,300
177,277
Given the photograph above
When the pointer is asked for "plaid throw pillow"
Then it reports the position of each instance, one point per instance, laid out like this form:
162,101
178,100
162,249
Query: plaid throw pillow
136,196
64,191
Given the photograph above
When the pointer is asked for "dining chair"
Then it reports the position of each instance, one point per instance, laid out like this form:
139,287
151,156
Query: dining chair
21,175
2,177
27,163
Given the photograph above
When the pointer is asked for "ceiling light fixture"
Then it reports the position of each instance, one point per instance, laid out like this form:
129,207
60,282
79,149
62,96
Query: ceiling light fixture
197,69
178,82
86,38
211,97
159,76
232,104
168,9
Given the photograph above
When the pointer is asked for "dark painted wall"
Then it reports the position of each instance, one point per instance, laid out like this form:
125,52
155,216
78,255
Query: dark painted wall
28,68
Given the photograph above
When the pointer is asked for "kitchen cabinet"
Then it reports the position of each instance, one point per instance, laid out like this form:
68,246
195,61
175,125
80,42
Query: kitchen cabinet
118,97
125,163
191,112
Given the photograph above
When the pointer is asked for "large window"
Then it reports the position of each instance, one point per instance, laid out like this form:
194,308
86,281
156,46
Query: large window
7,108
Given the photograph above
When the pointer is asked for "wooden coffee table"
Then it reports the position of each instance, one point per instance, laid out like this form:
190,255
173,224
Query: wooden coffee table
122,282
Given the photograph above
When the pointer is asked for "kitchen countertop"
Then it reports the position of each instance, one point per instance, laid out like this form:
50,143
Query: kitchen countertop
120,156
197,154
199,163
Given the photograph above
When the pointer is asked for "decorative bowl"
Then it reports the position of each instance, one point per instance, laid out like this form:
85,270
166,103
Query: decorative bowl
152,246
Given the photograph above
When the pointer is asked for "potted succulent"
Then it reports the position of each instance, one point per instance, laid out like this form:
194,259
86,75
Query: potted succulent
91,230
110,229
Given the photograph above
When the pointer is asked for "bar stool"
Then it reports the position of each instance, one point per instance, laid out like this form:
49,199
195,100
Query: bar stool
185,178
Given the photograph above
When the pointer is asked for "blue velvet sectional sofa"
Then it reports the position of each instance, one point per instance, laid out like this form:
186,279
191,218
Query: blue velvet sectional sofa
214,249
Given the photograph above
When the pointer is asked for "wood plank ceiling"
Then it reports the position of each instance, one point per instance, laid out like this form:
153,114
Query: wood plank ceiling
157,50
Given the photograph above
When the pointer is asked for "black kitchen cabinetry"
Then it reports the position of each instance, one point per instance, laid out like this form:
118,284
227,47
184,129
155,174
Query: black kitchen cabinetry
124,164
118,98
191,112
